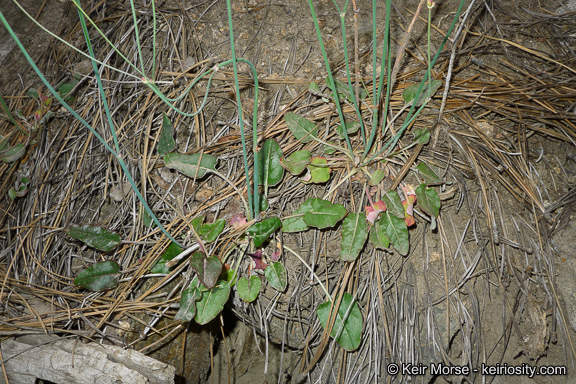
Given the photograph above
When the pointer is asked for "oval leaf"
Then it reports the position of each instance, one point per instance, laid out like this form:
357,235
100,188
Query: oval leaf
348,335
14,153
271,171
208,269
261,231
410,93
276,276
248,289
323,214
421,136
99,277
171,252
197,223
210,232
427,173
188,301
428,200
212,302
296,162
297,224
303,129
96,237
396,230
351,127
318,172
195,165
394,204
377,177
166,141
378,237
354,235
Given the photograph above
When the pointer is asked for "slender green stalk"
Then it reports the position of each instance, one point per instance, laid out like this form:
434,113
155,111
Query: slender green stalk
153,39
138,47
240,114
409,118
430,5
10,117
385,67
352,93
330,77
83,122
99,82
253,201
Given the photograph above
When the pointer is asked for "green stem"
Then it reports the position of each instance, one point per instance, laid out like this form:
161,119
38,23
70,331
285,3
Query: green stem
83,122
352,93
252,201
330,77
386,61
138,47
10,117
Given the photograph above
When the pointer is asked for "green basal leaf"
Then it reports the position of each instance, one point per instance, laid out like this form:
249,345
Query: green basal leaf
276,275
354,235
33,93
396,230
296,162
351,127
377,177
378,236
212,302
22,189
195,165
344,91
99,277
207,268
146,218
94,236
12,154
324,214
188,301
428,200
197,224
271,171
409,93
171,252
297,224
427,173
314,89
3,142
263,202
248,289
421,136
209,232
66,88
166,141
47,117
348,324
12,194
394,204
230,276
261,231
328,150
318,172
303,129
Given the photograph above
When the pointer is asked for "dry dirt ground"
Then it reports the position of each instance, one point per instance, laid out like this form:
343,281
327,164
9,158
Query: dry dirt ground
504,249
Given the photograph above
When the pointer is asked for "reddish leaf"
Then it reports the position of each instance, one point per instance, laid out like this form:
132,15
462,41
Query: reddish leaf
259,262
372,211
238,221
